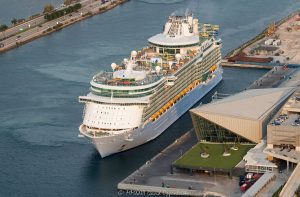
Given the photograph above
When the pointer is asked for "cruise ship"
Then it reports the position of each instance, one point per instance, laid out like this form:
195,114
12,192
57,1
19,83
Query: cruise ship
148,91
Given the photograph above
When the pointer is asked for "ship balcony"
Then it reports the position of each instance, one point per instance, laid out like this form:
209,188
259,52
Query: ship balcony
106,78
92,132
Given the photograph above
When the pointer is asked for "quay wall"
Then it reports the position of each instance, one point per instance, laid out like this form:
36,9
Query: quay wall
133,189
259,36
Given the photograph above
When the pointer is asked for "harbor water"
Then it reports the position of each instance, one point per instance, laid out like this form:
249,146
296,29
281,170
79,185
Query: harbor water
40,152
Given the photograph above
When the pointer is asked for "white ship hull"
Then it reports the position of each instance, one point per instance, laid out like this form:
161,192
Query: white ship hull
113,144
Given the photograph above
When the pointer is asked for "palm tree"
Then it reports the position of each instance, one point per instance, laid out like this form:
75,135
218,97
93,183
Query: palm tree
67,2
3,27
14,21
48,8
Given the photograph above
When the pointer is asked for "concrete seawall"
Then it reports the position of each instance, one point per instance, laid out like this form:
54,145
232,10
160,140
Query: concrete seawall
259,36
130,189
238,65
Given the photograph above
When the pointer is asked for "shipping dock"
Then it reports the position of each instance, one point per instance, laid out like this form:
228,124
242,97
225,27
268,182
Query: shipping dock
276,45
158,175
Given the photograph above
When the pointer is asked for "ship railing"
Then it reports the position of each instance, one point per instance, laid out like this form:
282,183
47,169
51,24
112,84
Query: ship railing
99,133
106,78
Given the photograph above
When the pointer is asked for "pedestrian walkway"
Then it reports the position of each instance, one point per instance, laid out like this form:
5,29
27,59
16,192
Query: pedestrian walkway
292,184
259,184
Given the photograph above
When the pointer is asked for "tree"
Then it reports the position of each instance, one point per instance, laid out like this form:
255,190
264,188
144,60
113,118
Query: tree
3,27
67,2
14,21
48,8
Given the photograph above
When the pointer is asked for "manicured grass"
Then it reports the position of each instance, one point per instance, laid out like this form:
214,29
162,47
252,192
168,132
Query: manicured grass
192,158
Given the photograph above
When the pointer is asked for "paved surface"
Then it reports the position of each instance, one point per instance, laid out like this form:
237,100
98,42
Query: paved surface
160,164
288,33
225,63
273,186
273,78
266,178
31,23
157,172
292,184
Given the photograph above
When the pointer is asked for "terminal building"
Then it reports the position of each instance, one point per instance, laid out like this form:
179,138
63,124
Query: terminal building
283,141
243,116
284,129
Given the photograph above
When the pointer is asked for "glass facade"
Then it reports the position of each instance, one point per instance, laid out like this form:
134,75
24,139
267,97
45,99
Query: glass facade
211,132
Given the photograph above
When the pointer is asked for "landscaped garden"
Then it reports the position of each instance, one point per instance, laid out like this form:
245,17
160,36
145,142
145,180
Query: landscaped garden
213,155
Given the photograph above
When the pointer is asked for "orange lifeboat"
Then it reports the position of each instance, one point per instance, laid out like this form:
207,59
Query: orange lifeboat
161,111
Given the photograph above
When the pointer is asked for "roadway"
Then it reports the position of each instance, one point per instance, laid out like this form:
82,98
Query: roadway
39,26
292,184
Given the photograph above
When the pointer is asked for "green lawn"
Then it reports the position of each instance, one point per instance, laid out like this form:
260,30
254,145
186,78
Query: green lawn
216,159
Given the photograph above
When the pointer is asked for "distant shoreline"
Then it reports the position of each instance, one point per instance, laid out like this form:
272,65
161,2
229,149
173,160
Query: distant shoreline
89,12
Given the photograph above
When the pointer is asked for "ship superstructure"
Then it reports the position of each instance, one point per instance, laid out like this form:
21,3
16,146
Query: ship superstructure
150,90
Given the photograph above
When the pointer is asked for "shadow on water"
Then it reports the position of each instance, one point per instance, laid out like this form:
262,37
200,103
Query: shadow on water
93,166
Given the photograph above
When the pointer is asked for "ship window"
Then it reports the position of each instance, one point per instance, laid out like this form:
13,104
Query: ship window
170,51
161,50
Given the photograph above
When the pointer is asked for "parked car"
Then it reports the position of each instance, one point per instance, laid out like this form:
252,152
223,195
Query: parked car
245,186
257,176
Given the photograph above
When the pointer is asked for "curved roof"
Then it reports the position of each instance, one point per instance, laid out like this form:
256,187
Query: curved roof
165,40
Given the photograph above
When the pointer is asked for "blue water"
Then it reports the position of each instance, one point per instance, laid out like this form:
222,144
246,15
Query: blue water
40,154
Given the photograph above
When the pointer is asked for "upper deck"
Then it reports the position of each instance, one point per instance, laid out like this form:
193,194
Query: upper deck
167,53
178,31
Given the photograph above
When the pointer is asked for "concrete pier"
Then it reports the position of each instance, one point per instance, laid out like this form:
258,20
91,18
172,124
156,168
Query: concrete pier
244,65
157,177
273,78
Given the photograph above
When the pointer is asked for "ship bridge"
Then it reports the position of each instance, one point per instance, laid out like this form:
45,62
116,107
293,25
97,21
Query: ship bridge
179,32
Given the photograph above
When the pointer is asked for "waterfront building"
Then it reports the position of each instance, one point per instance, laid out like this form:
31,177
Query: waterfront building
283,139
284,129
242,117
